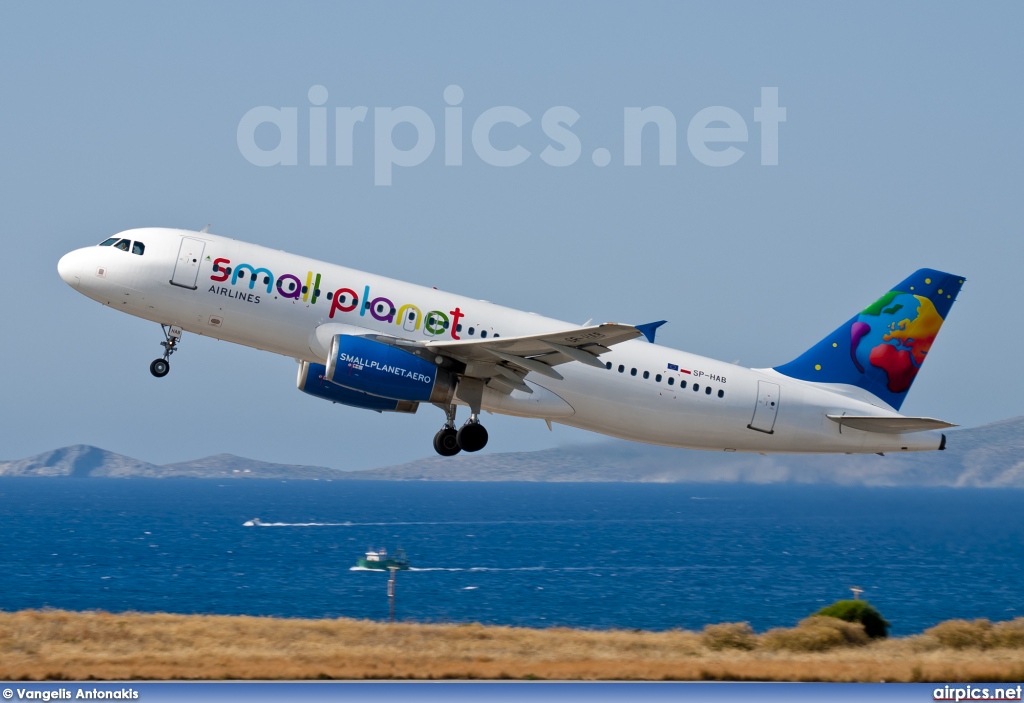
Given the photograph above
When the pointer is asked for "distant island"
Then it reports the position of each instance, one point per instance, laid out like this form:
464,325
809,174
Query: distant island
988,456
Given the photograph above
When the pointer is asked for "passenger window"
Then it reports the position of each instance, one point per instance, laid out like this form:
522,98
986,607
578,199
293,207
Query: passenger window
496,335
696,387
707,391
266,281
682,384
330,295
647,374
241,274
608,366
721,394
316,293
658,378
138,248
671,381
108,242
216,268
123,245
483,334
621,368
458,327
472,331
412,317
632,372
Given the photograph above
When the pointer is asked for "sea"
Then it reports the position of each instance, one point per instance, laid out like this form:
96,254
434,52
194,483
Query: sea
585,555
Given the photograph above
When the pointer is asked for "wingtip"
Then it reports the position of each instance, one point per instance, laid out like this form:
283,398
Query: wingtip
650,328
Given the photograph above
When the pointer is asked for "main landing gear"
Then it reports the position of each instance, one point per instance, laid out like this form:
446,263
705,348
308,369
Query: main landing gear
172,335
471,437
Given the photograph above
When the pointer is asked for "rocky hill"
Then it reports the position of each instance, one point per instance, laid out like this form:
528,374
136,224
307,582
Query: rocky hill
991,456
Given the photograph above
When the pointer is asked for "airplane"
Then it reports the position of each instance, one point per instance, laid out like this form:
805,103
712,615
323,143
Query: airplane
376,343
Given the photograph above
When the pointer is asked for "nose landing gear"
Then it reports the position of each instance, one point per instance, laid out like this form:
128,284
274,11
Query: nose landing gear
172,335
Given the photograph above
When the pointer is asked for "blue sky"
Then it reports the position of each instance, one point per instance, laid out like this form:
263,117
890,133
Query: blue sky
902,148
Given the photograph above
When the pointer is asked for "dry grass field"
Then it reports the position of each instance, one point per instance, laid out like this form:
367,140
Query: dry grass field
54,644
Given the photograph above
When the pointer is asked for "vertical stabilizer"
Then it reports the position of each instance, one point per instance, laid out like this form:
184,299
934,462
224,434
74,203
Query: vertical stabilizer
882,348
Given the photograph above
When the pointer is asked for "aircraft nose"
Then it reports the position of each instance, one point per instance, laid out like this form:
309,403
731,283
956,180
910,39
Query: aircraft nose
70,269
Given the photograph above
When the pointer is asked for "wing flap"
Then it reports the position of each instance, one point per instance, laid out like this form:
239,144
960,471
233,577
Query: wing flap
889,425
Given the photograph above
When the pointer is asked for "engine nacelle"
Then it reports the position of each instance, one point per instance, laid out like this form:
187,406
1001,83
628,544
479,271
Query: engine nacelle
383,370
312,379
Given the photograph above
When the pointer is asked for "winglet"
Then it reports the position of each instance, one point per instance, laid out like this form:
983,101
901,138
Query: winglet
650,328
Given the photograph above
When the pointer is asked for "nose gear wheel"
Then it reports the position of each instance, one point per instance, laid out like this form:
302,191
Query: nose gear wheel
162,366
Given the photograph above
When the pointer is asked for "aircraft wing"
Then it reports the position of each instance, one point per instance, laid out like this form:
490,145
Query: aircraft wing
889,425
539,352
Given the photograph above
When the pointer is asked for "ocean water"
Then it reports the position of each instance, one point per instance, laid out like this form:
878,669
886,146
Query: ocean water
648,556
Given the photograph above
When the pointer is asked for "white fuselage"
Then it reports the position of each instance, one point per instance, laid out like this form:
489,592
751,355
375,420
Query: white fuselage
645,402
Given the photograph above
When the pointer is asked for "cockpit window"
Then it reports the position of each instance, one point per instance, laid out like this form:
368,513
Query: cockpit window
138,248
108,242
123,245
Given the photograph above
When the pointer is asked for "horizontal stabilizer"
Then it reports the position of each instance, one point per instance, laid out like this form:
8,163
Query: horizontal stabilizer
889,425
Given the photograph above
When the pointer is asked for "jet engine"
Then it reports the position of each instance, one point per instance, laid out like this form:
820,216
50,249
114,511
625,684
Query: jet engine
312,379
383,370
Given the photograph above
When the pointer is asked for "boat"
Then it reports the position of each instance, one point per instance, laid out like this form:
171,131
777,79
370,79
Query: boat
378,559
255,522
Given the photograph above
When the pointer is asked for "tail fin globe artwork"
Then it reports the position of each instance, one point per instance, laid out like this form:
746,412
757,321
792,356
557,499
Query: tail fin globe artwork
882,348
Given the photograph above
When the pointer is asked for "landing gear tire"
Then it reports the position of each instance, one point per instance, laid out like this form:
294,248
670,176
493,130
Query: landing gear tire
172,335
446,442
472,437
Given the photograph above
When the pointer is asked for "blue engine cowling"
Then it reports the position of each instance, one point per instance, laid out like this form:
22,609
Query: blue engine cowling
383,370
312,380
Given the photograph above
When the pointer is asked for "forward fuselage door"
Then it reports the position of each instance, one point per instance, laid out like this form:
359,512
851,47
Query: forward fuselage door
410,319
186,268
767,407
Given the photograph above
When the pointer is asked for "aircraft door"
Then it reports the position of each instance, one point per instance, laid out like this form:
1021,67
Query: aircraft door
767,407
186,268
410,319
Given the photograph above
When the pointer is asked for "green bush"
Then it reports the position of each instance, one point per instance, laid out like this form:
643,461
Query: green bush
729,635
815,634
858,611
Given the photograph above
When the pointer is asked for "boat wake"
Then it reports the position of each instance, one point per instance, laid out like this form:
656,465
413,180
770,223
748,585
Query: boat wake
256,522
473,569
